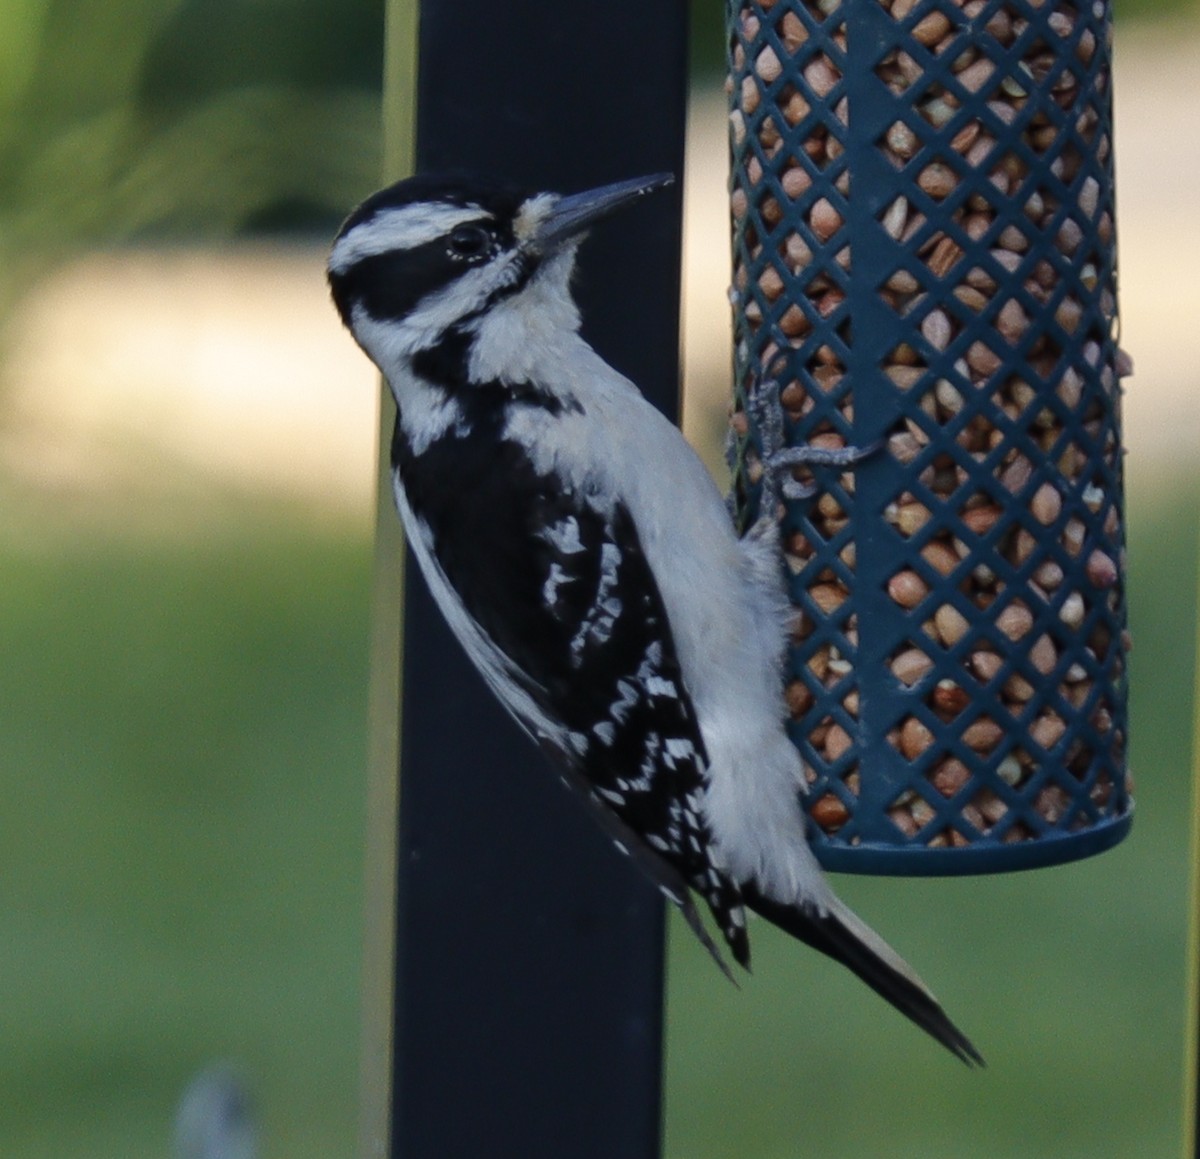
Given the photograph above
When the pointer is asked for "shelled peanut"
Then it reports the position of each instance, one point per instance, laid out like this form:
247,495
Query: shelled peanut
1005,440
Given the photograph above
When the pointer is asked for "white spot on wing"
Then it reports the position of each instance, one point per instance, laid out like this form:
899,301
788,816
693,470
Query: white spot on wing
563,536
652,661
597,626
627,698
554,581
661,686
680,749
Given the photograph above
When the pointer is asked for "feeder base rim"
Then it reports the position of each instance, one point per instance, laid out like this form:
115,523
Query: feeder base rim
982,857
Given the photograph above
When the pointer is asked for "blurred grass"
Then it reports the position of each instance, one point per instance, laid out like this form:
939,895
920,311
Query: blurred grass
182,764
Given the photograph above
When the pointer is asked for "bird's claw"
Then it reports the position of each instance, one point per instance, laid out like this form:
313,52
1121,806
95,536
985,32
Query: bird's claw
778,459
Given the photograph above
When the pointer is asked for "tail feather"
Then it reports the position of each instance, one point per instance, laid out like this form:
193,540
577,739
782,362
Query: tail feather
843,936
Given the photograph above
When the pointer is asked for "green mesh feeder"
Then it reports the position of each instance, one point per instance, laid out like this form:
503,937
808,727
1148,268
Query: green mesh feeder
924,259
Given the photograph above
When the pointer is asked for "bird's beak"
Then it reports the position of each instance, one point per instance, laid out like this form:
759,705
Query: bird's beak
569,216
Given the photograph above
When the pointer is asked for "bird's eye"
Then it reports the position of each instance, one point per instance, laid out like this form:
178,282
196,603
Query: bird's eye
469,241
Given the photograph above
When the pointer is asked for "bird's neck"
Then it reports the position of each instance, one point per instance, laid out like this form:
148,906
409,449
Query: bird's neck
452,389
527,337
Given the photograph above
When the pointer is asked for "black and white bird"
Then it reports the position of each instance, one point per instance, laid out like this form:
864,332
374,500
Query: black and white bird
586,561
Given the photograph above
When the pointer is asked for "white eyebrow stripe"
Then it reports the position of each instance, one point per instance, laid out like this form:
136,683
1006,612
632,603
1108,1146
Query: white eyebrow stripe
399,229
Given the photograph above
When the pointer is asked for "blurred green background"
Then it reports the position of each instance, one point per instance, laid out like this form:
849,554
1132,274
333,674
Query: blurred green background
184,644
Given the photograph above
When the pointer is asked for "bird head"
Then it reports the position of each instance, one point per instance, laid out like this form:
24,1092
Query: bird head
434,254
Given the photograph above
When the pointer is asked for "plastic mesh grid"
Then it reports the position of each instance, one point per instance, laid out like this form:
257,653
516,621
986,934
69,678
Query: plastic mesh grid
924,256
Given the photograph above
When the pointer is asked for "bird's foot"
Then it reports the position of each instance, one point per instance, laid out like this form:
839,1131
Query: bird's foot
779,460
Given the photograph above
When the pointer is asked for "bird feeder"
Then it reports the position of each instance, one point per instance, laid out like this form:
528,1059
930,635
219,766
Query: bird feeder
924,266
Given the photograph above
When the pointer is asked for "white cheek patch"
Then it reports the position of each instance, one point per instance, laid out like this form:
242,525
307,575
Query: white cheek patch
463,297
390,342
404,228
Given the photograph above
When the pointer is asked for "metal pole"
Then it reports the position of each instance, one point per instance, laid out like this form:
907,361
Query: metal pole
526,1011
379,941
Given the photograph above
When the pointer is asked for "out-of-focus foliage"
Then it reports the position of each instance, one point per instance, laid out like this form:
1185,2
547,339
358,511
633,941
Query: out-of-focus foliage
198,118
137,119
182,758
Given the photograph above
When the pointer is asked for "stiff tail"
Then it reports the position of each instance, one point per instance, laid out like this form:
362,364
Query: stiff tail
846,938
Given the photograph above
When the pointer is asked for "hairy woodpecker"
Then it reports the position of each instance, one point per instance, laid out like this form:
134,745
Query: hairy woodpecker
586,561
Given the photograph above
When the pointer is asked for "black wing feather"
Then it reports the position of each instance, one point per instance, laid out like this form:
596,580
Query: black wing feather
559,583
824,932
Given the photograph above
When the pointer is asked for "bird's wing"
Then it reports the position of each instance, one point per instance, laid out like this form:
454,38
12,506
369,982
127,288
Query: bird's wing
555,603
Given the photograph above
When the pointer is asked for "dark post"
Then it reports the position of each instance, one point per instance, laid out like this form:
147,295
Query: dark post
527,1003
